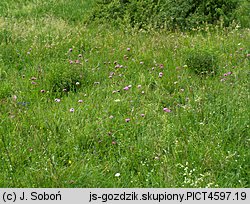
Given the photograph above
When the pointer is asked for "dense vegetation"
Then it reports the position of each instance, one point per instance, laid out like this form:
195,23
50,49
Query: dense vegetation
170,14
90,104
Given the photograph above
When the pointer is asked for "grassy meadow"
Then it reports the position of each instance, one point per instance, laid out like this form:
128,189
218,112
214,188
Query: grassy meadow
97,106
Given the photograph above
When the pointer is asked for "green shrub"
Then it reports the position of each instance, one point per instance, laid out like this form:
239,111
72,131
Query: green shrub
64,79
172,14
202,62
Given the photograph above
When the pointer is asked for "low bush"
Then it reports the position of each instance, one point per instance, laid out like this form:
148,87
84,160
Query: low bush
181,14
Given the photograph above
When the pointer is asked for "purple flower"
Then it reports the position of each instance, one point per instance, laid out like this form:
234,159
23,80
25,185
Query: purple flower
71,62
127,120
161,66
126,88
225,74
142,115
160,74
71,110
229,73
166,110
128,49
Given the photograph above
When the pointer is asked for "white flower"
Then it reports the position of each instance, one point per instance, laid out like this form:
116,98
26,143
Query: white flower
117,174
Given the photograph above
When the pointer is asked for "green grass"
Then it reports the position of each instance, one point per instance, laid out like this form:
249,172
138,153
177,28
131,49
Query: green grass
202,142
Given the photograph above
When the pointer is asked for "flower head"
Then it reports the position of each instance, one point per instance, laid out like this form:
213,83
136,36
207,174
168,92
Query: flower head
71,110
126,88
57,100
117,174
166,110
127,120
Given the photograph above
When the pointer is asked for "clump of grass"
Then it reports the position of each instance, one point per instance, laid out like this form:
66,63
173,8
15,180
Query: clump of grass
201,61
62,79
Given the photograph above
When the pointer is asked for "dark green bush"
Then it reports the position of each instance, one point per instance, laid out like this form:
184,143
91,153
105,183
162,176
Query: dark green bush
64,79
201,61
171,14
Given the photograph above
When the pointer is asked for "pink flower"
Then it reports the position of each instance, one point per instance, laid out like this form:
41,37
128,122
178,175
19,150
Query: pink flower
128,49
142,115
160,74
127,120
161,66
126,88
166,110
80,101
57,100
